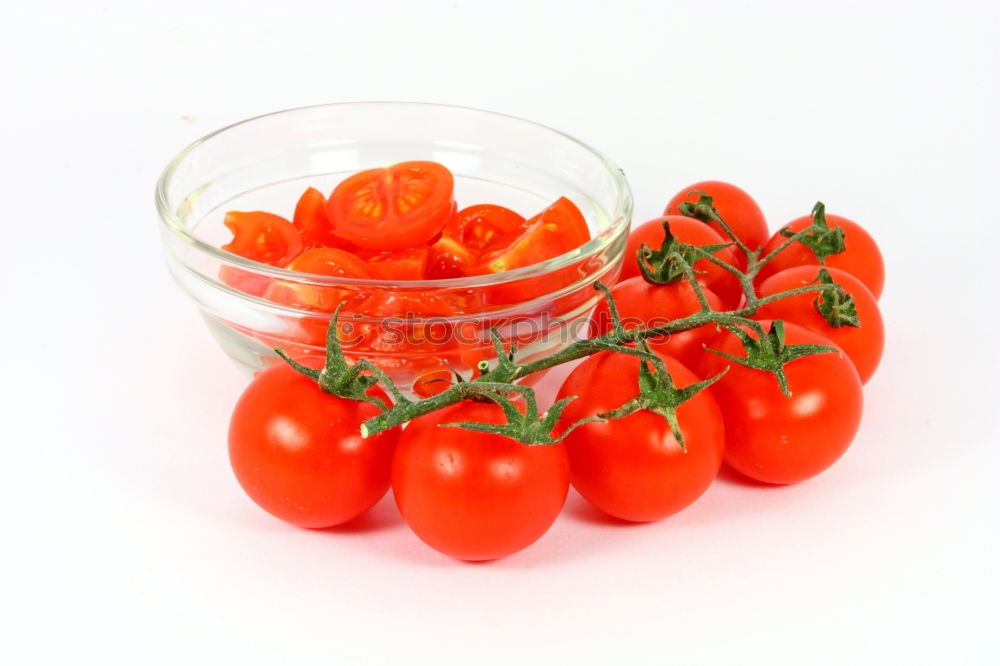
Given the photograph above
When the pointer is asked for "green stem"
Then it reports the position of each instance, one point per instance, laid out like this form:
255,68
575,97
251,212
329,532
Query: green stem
788,242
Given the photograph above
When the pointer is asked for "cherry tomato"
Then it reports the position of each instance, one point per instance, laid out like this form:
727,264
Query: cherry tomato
692,232
313,221
472,232
448,258
861,256
735,207
485,227
476,496
299,454
863,345
318,261
642,304
633,468
398,266
263,237
556,230
393,208
241,280
403,322
781,440
432,383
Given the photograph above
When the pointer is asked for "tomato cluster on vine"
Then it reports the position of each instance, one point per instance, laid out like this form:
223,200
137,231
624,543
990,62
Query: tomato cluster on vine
720,344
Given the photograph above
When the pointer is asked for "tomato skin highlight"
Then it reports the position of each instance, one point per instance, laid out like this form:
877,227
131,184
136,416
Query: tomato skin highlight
737,208
299,454
633,468
862,345
692,232
782,440
861,256
393,208
476,496
641,304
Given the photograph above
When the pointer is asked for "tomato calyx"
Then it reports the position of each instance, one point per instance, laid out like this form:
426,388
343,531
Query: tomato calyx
704,209
822,239
835,305
768,352
673,260
340,378
526,426
658,394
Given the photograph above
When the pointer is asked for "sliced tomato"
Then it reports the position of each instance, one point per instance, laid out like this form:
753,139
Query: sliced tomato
313,221
263,237
401,265
448,258
432,383
241,280
393,208
484,227
556,230
405,323
318,261
471,233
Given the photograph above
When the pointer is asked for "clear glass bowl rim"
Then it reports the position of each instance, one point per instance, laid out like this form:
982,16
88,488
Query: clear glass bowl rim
620,216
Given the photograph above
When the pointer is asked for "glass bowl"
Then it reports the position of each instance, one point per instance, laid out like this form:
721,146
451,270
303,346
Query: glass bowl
414,329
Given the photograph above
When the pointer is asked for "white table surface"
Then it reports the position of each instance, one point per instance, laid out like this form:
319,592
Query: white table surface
126,538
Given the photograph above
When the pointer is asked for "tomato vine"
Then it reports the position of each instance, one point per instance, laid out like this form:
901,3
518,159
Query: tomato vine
672,262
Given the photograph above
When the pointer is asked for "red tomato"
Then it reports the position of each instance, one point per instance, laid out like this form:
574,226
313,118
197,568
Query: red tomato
399,266
313,221
470,233
485,227
330,261
393,208
863,345
318,261
633,468
403,322
735,207
263,237
476,496
780,440
642,305
299,454
556,230
448,258
241,280
432,383
692,232
861,257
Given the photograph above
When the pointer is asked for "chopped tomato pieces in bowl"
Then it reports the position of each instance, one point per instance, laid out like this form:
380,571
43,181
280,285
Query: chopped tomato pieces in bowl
427,227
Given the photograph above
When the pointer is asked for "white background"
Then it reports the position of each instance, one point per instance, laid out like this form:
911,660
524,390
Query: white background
126,539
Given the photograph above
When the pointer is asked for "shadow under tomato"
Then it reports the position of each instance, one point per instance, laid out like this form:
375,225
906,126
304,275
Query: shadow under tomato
730,476
580,510
382,517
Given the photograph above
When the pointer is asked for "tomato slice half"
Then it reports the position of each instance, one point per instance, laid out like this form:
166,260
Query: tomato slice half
448,258
393,208
484,227
318,261
556,230
263,237
401,265
470,233
313,221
